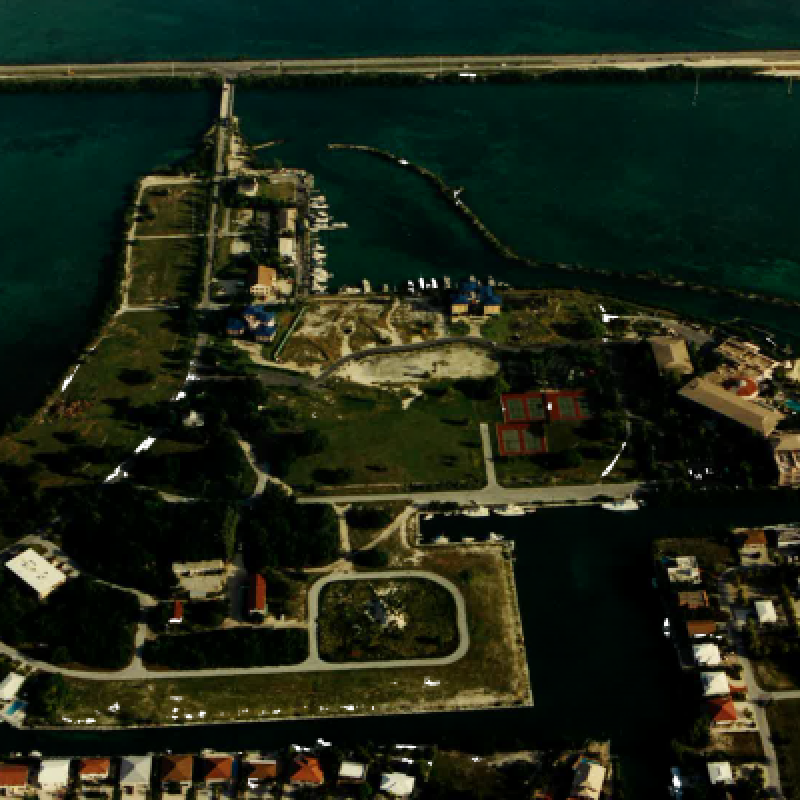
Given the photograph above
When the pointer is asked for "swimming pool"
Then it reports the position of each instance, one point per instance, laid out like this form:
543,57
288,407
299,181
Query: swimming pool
794,405
16,705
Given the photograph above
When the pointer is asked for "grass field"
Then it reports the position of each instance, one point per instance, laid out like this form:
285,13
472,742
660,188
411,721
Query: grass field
165,270
361,537
435,441
784,723
491,674
140,361
176,209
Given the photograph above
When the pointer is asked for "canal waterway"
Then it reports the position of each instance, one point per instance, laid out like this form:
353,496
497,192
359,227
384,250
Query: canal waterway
51,30
599,663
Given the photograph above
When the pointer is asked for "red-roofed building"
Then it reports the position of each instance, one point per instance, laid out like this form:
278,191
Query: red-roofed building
14,779
177,613
306,771
215,769
176,769
258,594
722,710
697,628
94,769
261,772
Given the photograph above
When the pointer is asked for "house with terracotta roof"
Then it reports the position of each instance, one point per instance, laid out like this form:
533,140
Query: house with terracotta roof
177,613
722,711
692,599
260,772
94,770
262,283
14,779
305,770
257,596
176,769
215,769
699,628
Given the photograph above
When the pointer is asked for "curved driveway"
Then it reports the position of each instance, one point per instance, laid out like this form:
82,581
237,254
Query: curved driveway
136,671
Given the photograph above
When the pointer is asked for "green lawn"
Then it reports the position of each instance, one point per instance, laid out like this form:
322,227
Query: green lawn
491,674
177,209
140,361
165,270
435,441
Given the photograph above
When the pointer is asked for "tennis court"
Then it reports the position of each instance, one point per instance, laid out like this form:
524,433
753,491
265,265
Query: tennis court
517,439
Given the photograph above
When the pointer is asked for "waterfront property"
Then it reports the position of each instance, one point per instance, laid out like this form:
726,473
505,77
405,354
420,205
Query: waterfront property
786,452
474,299
14,780
176,770
135,774
306,771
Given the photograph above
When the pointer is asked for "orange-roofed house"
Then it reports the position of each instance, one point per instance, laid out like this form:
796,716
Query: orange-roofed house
260,772
14,779
177,769
257,602
722,710
306,771
94,770
698,628
262,282
177,613
216,769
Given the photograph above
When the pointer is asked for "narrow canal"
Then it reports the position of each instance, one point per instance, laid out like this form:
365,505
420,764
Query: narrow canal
598,661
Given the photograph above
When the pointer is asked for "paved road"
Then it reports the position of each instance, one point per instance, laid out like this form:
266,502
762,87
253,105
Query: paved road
488,459
136,671
783,61
492,496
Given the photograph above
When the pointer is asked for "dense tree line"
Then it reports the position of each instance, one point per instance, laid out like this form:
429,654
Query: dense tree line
240,647
82,621
132,536
279,532
46,694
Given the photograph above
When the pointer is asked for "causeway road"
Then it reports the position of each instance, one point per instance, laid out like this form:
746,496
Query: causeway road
780,62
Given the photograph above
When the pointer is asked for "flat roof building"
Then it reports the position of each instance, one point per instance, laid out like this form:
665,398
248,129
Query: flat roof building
36,572
588,781
53,773
397,784
765,611
720,772
671,354
729,404
10,685
706,654
786,452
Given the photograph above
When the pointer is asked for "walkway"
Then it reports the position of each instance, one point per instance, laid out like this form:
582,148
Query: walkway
488,458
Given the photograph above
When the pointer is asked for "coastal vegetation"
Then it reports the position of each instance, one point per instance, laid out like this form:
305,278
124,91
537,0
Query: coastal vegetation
386,620
67,628
240,647
784,722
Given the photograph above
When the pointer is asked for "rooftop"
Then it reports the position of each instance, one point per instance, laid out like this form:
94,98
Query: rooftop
36,571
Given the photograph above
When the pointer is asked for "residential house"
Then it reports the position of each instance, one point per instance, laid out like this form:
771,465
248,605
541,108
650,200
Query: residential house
287,248
352,772
753,542
176,770
14,780
305,771
215,770
683,569
262,283
715,684
135,774
692,599
94,770
728,403
177,613
267,328
765,611
257,596
10,685
722,711
706,654
587,783
786,452
473,299
671,354
36,572
720,772
397,784
287,220
700,628
260,772
247,185
53,774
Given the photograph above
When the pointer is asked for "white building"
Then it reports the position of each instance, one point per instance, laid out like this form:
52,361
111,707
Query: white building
135,773
765,611
352,771
53,774
10,685
715,684
37,572
720,772
684,569
706,655
287,247
588,781
397,784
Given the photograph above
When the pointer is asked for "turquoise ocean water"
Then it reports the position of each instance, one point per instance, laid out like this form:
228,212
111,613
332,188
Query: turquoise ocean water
83,30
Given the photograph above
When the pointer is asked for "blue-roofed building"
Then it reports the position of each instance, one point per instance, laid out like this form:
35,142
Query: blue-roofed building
473,299
265,332
235,327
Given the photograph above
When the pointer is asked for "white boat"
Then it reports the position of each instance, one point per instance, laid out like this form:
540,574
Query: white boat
511,510
427,516
468,539
495,537
478,511
441,539
667,631
624,504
